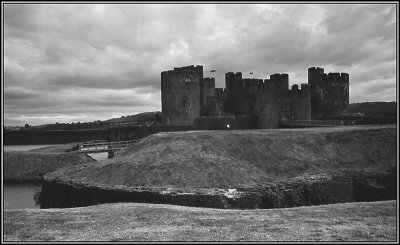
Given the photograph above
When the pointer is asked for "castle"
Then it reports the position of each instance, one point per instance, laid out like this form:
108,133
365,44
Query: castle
188,98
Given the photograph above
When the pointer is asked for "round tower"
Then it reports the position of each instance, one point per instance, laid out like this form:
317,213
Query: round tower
180,95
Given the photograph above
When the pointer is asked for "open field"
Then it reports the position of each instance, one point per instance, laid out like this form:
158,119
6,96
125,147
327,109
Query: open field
362,221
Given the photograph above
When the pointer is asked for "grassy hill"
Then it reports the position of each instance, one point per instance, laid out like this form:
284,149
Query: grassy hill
376,109
240,158
145,118
355,222
138,118
30,165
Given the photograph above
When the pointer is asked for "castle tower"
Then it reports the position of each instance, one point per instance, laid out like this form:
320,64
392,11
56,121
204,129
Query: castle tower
180,95
317,95
329,92
232,85
207,88
281,82
300,102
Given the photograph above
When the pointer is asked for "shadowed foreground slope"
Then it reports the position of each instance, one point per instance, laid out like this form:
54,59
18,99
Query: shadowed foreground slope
373,221
230,159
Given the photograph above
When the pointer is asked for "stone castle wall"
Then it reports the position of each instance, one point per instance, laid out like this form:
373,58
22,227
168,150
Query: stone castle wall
207,89
186,95
300,101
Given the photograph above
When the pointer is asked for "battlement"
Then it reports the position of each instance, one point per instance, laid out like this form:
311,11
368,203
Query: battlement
316,75
335,78
189,68
305,86
279,76
344,77
316,70
232,79
332,77
303,91
281,81
232,75
188,76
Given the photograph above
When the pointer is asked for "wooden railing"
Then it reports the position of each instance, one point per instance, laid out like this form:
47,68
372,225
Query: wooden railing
96,146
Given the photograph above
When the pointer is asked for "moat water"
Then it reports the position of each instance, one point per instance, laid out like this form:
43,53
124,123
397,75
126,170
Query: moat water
21,195
23,147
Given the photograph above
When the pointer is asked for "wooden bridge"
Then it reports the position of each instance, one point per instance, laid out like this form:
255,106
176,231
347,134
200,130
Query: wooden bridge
317,123
96,146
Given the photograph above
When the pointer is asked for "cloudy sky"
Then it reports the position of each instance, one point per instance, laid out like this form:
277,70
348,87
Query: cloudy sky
86,62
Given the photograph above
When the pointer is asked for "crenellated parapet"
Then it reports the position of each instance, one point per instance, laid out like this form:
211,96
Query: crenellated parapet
295,91
183,76
281,82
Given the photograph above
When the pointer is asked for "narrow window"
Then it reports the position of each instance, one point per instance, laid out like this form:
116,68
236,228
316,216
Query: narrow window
184,101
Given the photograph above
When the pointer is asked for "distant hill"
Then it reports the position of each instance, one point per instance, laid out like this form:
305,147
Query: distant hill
141,119
144,117
376,109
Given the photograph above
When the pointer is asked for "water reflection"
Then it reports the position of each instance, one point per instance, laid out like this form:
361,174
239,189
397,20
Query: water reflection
20,195
23,147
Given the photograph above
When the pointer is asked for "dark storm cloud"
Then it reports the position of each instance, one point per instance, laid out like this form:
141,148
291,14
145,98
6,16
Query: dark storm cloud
18,93
112,81
59,58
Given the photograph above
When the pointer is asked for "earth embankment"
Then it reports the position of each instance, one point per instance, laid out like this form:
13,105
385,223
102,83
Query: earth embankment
243,159
32,165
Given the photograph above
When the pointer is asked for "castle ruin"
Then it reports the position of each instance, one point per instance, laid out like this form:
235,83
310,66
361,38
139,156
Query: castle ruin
189,98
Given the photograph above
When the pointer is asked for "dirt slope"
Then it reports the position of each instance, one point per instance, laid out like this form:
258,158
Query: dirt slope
229,159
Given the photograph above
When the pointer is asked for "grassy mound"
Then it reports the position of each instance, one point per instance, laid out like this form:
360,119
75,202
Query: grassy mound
30,166
230,159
